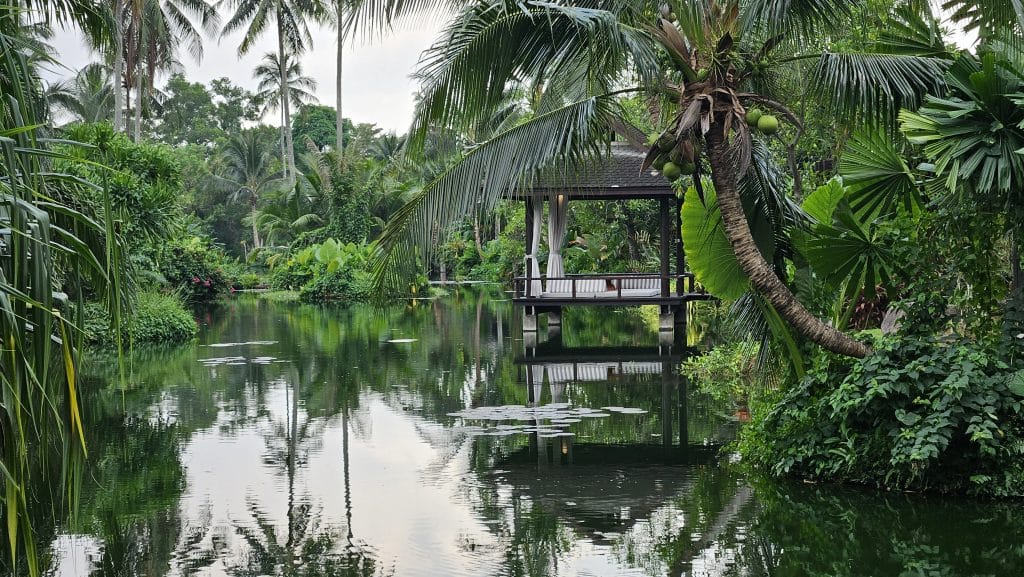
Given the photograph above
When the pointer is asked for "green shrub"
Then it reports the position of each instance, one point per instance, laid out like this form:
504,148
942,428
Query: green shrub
160,318
343,284
939,413
156,318
249,280
196,268
725,372
289,275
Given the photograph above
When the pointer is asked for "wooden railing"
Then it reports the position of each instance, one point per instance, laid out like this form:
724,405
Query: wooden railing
584,284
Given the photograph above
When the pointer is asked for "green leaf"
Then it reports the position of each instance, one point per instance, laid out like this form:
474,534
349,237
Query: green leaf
821,203
907,418
1016,383
708,251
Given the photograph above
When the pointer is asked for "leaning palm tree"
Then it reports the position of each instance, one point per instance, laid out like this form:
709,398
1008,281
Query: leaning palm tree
291,18
248,165
703,63
297,90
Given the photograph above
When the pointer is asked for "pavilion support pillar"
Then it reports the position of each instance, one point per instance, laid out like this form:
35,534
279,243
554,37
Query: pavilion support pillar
530,324
666,325
665,244
555,320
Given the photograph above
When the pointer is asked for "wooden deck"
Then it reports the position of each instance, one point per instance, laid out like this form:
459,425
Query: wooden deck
626,289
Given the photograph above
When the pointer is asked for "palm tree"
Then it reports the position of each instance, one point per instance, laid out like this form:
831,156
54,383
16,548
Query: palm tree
248,164
291,18
722,58
299,91
154,31
88,96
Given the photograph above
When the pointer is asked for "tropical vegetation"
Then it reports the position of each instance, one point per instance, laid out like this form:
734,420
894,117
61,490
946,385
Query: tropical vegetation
851,184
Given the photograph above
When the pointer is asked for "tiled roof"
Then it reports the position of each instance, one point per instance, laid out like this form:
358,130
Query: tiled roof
617,174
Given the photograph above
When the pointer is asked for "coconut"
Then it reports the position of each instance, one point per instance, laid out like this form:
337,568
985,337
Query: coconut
666,143
671,171
659,162
768,124
753,115
687,167
702,74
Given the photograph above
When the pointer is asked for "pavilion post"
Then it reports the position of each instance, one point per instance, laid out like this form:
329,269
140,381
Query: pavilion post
677,238
529,235
665,244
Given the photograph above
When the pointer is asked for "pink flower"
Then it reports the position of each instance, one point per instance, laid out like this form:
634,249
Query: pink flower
195,280
206,282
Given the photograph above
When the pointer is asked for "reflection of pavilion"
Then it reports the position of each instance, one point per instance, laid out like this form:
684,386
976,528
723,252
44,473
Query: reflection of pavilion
556,366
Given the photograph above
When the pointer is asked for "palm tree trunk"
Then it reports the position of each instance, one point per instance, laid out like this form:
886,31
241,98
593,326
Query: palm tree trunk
137,132
118,64
339,120
1017,274
255,229
284,149
762,277
285,104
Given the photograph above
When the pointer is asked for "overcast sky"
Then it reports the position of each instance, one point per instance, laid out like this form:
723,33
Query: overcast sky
377,87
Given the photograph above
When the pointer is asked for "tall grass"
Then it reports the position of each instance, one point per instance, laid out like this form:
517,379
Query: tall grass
48,243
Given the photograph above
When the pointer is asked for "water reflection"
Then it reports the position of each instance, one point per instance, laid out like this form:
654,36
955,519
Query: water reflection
330,449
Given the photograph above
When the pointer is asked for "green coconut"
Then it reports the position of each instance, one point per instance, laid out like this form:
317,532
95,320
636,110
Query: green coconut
687,167
753,115
659,162
768,124
671,171
702,74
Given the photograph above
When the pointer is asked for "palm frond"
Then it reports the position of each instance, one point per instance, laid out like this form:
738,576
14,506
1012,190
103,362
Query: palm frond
877,176
465,75
497,168
795,17
875,86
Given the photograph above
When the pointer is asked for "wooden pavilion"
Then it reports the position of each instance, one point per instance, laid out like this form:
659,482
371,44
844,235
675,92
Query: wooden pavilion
613,178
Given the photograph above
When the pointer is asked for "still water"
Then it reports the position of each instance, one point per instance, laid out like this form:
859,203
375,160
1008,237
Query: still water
429,440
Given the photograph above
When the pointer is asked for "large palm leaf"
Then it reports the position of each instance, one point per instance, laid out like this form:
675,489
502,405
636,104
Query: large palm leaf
500,166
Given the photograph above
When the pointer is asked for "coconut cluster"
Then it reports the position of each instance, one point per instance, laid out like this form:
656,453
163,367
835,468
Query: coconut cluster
676,159
765,123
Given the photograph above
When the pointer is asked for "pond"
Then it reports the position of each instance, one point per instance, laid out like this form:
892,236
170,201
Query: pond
428,440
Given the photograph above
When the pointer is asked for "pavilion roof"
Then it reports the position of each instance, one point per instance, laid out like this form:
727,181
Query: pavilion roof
611,177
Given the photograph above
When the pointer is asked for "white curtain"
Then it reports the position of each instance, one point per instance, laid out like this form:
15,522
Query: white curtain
537,382
532,264
556,238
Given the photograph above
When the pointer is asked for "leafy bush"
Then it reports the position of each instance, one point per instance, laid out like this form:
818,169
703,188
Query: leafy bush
196,268
725,372
249,280
156,318
938,413
160,318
